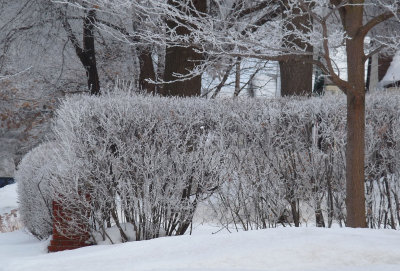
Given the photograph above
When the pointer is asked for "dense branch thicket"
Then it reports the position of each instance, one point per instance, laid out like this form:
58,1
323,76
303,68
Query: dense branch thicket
35,189
142,164
287,163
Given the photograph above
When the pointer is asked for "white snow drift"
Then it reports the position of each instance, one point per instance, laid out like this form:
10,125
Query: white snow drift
273,249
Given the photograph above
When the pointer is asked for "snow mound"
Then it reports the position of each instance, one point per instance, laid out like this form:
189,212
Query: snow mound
8,198
297,249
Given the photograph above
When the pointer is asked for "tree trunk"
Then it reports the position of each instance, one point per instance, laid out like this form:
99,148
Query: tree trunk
86,53
355,198
355,195
352,21
237,78
294,206
146,71
319,216
181,60
296,76
89,53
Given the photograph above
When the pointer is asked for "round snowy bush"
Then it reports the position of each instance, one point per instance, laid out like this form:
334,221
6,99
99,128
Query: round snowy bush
142,160
35,190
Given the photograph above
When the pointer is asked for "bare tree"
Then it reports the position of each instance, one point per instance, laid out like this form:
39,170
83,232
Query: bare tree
87,52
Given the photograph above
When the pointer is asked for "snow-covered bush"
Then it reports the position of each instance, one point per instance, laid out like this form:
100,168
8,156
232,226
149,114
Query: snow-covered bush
287,156
383,162
282,154
35,190
139,165
134,159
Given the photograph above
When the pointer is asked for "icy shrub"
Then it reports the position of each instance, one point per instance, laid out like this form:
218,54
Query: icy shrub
382,170
281,155
35,191
146,161
131,167
10,221
287,162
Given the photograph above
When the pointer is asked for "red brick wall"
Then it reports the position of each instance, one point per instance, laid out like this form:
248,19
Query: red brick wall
62,242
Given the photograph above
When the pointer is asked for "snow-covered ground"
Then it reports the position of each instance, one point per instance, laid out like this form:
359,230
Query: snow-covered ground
294,249
274,249
8,198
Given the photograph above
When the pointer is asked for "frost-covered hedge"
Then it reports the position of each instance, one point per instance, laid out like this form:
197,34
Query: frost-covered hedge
140,165
287,162
35,190
143,160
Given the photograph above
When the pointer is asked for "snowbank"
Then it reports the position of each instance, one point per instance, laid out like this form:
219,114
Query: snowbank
274,249
8,198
